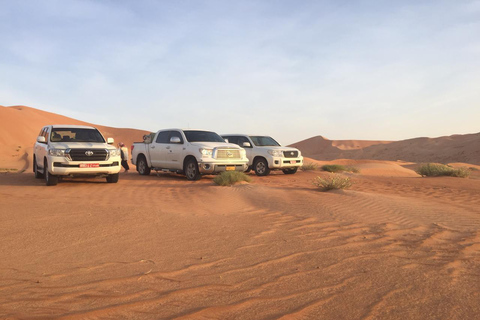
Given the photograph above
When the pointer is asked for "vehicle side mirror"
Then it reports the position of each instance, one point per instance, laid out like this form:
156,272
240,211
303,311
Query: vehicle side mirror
226,140
246,144
110,140
175,140
41,139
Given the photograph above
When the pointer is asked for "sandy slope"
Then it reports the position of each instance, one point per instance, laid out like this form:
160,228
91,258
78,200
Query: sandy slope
160,247
456,148
20,125
395,246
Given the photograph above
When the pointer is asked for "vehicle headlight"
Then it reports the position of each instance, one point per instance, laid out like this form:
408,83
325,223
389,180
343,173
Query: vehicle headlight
114,152
206,152
276,153
56,152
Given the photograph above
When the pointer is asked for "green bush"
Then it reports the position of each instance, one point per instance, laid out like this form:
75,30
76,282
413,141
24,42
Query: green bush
333,182
339,168
437,170
229,178
309,166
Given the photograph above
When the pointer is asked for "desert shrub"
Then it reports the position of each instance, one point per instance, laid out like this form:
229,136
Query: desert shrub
352,169
334,168
437,170
309,166
339,168
333,182
229,178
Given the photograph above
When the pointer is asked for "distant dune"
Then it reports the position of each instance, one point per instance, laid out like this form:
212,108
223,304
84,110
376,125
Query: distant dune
455,148
20,125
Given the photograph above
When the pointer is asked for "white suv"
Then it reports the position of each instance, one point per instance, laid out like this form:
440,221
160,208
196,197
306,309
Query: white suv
67,150
265,154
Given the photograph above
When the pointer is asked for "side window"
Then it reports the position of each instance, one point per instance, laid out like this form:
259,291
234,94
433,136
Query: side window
175,134
162,137
241,140
231,139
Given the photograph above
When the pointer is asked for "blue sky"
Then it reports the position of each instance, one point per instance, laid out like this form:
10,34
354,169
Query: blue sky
379,70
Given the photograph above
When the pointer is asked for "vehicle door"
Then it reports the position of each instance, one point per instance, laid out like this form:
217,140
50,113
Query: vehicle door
247,144
41,148
175,150
157,149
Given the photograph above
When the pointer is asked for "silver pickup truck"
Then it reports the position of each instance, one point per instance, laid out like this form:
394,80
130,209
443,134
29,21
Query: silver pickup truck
190,152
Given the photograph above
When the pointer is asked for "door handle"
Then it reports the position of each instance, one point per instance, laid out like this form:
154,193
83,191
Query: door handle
168,147
152,147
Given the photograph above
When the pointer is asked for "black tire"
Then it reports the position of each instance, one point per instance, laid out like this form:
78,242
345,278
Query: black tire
261,167
50,179
290,171
113,178
38,174
142,166
191,170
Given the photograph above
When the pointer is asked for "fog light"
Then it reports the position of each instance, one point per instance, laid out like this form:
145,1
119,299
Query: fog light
206,166
276,162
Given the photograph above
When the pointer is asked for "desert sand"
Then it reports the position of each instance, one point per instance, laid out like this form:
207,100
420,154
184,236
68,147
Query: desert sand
394,246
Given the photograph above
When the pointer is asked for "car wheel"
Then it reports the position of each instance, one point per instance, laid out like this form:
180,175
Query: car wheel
191,170
142,166
290,171
112,178
261,167
50,179
38,174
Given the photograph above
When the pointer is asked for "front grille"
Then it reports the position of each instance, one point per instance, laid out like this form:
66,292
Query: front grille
290,154
228,154
81,154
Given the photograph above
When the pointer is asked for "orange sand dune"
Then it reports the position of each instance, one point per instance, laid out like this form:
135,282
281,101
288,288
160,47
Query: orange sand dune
160,247
455,148
394,246
20,126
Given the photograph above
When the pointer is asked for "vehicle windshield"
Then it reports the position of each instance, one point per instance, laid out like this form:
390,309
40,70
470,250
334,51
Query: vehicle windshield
76,135
264,141
202,136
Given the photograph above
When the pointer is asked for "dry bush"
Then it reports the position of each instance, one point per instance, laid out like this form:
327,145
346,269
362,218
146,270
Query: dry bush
309,166
229,178
438,170
339,168
333,182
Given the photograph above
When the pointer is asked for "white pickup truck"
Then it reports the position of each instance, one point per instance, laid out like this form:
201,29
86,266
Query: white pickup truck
68,150
266,154
190,152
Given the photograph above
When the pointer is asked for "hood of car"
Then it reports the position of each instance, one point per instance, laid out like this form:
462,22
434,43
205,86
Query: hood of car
212,145
80,145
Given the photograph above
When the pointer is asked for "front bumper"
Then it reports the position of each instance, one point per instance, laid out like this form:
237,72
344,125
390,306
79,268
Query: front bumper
208,167
61,167
284,163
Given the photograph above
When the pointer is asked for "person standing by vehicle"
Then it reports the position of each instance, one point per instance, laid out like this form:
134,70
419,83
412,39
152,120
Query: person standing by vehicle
124,153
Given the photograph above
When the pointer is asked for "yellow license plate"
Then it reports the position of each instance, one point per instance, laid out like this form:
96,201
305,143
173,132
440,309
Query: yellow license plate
230,168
